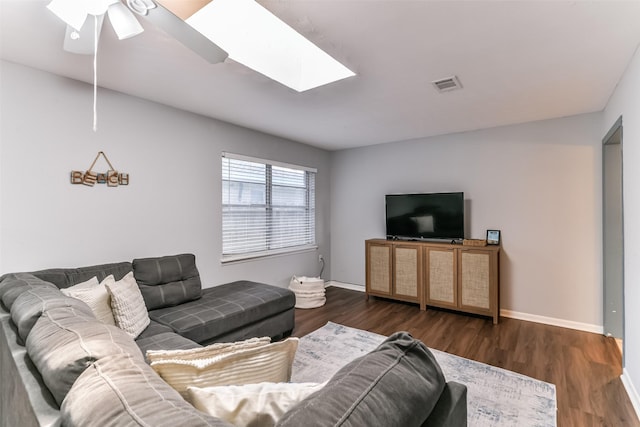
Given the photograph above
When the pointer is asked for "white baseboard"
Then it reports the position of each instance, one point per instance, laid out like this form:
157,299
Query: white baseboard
344,285
634,396
596,329
587,327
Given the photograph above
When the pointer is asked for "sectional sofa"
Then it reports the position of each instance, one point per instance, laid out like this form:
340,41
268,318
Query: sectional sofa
60,365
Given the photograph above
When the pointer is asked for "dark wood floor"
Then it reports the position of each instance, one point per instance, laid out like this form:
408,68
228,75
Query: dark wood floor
585,367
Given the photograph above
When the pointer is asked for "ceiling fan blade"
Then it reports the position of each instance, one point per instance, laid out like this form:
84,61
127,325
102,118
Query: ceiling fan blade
124,21
258,39
98,7
72,12
164,19
83,41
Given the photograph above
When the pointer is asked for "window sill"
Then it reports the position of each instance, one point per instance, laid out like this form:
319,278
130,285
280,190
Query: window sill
236,259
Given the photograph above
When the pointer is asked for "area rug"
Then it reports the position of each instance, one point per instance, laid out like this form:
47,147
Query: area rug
495,397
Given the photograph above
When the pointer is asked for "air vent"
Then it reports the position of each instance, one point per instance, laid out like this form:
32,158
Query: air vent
447,84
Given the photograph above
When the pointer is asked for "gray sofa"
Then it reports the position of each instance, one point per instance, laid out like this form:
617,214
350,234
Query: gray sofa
60,366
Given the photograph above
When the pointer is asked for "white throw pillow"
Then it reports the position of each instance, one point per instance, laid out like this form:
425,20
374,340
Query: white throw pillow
207,352
89,284
267,363
260,404
96,296
127,304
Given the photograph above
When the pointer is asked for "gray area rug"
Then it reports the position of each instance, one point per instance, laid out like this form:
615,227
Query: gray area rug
495,396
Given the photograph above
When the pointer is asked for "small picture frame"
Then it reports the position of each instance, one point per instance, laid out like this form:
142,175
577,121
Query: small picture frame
493,237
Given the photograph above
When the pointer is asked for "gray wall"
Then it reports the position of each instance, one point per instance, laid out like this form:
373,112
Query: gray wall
172,204
537,182
625,102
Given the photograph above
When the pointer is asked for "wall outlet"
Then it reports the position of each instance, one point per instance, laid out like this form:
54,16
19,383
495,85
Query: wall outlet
320,258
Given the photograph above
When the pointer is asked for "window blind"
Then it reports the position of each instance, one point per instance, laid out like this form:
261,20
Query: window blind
267,207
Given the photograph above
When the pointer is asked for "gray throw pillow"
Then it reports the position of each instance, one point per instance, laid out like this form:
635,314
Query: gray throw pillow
12,285
122,390
168,280
30,304
64,342
396,385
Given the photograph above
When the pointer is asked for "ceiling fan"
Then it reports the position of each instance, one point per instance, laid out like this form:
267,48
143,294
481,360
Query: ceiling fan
241,29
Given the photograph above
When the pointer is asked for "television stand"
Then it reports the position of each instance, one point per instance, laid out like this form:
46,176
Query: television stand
446,275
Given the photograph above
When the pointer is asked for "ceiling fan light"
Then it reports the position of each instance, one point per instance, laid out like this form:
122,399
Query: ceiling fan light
124,21
72,12
141,7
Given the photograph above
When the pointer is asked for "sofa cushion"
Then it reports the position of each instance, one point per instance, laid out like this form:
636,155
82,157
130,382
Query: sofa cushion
277,327
398,384
96,296
63,342
154,328
12,285
167,281
30,305
131,394
266,363
249,405
65,277
83,286
127,305
224,308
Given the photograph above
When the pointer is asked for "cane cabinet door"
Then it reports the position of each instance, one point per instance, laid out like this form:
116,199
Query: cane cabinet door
441,277
379,268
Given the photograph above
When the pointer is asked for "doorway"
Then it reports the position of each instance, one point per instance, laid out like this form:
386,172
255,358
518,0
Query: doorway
613,234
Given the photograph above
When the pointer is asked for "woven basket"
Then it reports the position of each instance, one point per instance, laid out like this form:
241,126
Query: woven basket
310,292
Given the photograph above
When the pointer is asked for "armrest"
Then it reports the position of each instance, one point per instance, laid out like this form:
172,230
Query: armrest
451,409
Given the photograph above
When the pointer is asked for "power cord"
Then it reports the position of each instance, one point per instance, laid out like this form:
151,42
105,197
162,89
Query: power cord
322,268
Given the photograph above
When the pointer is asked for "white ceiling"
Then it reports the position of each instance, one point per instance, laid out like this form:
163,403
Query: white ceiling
518,61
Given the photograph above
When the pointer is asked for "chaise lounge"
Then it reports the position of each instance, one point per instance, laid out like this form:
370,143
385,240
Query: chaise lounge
50,341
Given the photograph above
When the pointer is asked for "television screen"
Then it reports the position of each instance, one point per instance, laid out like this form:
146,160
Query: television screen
425,216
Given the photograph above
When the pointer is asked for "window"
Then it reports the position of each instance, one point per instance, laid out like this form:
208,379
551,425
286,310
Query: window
267,207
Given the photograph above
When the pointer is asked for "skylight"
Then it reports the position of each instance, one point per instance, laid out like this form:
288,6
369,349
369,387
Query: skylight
256,38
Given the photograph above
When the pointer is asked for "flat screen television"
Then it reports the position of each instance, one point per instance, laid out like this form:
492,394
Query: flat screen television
437,216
